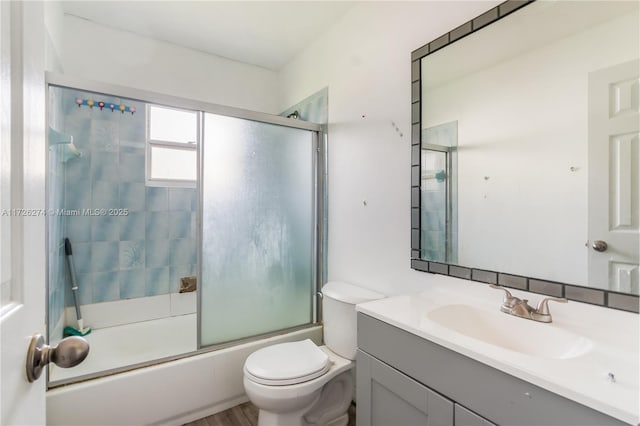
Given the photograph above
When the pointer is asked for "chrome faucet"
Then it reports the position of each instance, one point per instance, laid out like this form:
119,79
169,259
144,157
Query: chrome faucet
520,307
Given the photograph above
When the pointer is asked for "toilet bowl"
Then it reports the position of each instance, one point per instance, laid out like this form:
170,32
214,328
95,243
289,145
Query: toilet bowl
302,384
286,399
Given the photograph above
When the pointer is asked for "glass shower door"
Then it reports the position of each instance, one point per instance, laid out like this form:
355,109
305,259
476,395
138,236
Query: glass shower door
435,205
258,228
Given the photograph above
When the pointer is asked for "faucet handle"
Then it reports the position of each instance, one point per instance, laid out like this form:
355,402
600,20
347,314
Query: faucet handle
509,299
543,305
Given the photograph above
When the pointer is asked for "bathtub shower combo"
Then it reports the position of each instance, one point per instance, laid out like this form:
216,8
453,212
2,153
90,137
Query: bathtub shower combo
195,228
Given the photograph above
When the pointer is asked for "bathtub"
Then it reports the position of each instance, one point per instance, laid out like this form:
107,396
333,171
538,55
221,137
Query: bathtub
112,348
130,332
170,393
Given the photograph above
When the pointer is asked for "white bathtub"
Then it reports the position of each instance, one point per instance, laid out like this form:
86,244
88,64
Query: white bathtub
130,344
132,331
171,393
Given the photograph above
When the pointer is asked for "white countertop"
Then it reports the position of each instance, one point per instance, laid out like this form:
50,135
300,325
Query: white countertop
613,336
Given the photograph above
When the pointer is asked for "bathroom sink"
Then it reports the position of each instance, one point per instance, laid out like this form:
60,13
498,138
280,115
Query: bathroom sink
512,333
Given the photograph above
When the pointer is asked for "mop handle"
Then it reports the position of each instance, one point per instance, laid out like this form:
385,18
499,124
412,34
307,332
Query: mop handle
72,273
72,269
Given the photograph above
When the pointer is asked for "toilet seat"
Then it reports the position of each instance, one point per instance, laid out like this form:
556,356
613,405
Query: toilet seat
287,364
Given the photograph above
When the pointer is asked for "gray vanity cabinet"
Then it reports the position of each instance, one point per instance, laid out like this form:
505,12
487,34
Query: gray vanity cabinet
386,397
464,417
391,398
403,379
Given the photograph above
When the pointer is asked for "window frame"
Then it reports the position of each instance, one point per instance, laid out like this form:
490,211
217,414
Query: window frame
158,143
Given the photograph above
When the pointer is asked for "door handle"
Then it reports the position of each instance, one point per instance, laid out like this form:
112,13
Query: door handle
599,245
70,352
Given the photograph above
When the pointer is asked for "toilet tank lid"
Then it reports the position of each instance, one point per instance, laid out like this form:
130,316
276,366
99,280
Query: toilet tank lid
349,293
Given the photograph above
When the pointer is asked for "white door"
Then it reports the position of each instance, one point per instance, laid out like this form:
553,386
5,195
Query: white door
22,199
614,124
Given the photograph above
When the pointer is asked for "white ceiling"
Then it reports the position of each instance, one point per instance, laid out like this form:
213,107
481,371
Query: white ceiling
264,33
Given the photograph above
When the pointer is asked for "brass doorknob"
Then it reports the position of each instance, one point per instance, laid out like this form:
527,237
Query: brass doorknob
70,352
599,245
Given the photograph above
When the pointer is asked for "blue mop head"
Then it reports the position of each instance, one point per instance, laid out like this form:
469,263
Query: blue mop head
70,331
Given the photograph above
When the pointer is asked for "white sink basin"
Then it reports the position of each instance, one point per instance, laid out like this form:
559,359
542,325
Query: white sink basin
512,333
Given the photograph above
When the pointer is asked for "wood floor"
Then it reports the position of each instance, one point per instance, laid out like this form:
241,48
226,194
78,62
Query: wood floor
247,415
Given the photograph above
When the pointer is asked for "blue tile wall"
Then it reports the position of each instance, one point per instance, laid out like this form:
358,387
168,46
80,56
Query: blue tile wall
105,256
157,199
157,253
142,253
106,286
157,225
156,281
132,226
179,224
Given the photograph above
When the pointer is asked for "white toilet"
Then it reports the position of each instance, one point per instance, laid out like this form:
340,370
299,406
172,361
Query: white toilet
301,384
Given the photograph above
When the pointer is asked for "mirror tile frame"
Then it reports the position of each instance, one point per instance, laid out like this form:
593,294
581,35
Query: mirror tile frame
600,297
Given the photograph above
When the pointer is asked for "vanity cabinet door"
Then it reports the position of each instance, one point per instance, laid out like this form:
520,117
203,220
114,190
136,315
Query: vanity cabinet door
464,417
388,397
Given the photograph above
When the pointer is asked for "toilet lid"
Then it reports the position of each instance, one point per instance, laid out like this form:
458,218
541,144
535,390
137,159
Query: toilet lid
287,363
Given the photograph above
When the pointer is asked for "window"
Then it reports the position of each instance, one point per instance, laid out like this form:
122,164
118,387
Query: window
172,141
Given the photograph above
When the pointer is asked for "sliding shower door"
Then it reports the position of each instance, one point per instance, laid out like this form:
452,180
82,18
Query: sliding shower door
258,267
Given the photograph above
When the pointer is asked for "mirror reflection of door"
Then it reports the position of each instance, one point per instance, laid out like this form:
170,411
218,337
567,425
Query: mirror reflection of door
614,125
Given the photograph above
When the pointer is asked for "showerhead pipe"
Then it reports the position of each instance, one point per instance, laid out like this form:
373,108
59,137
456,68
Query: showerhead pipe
58,138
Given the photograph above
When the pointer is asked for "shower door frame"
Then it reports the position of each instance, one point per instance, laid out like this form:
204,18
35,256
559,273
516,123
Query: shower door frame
448,151
316,231
319,196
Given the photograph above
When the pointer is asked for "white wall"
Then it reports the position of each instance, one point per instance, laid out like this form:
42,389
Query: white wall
365,60
96,52
54,29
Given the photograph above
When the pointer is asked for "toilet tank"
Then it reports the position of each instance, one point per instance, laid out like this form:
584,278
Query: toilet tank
339,301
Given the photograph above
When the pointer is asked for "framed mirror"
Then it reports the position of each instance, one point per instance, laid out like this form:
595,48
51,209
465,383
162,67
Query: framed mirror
525,150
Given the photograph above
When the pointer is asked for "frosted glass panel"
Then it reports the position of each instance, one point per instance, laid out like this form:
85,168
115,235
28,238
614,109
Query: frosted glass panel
172,125
173,163
258,225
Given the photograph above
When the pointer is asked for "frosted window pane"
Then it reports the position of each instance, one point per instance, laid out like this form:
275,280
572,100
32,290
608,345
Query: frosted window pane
258,229
172,125
173,163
